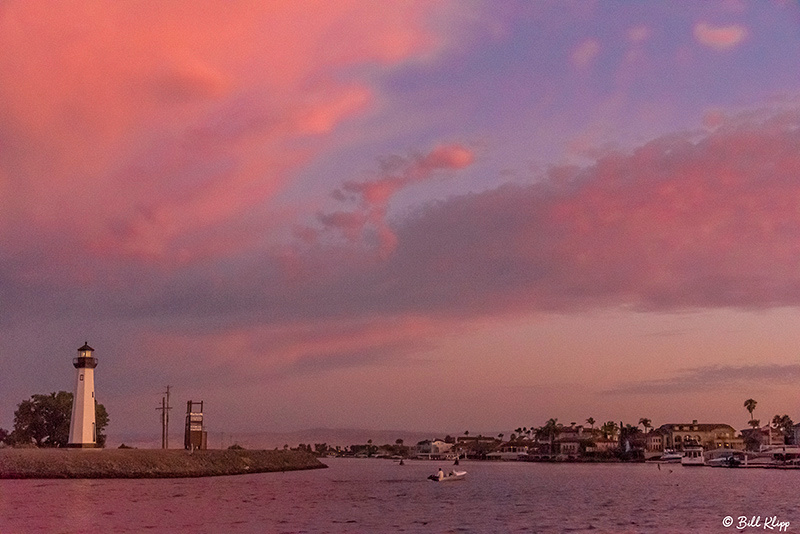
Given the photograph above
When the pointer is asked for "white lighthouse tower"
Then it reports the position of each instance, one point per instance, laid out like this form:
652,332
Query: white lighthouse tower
82,426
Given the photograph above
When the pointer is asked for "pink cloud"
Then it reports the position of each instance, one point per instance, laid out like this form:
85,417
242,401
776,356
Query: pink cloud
713,118
254,353
719,37
685,222
585,52
171,124
677,223
375,194
322,118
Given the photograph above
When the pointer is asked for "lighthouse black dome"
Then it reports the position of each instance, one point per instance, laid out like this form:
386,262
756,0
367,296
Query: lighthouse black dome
86,347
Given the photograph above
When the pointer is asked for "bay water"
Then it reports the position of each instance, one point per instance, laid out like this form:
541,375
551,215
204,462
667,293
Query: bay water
371,495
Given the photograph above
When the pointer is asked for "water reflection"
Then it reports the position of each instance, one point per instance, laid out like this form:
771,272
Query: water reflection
379,496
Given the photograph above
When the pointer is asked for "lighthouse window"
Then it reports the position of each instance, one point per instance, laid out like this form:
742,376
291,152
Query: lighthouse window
81,377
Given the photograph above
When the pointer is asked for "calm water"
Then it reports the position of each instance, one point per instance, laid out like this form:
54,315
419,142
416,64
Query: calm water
381,496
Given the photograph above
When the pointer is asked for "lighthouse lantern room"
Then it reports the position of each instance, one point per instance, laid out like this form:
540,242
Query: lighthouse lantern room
83,427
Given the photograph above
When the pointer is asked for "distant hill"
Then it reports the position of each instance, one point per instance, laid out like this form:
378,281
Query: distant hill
269,440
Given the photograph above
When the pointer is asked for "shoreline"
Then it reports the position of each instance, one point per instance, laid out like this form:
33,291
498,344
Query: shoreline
148,463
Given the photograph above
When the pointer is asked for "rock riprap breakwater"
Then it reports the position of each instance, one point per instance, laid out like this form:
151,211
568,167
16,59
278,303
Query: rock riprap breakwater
148,463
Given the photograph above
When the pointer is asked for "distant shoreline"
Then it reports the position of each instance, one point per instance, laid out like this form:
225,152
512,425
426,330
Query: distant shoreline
148,463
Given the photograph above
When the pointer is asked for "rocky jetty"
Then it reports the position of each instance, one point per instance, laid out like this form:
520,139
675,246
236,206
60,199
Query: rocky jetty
147,463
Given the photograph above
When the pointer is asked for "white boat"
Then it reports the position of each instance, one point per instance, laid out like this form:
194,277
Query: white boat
726,457
449,477
671,456
781,453
692,456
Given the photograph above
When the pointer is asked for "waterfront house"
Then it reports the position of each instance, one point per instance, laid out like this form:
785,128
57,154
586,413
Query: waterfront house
573,440
654,441
508,451
603,445
431,449
476,446
471,440
570,447
708,435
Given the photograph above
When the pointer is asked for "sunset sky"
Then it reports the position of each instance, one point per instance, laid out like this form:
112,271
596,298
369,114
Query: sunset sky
403,215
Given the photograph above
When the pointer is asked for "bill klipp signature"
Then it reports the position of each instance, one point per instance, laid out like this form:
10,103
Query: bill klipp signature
756,521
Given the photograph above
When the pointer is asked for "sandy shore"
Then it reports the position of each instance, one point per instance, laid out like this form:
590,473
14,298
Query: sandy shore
147,463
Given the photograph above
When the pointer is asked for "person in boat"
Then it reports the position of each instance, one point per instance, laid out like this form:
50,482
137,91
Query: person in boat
440,474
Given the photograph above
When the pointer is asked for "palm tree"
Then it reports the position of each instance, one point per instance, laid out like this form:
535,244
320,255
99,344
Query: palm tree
750,406
551,429
591,422
609,428
645,422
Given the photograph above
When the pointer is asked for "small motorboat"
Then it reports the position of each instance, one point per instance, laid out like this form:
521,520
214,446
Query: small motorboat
671,457
449,477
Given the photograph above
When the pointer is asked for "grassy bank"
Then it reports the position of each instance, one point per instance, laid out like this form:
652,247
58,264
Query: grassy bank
147,463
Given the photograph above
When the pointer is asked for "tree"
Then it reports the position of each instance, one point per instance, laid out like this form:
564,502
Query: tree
3,434
646,423
750,406
101,422
551,429
591,422
44,420
609,429
628,432
785,424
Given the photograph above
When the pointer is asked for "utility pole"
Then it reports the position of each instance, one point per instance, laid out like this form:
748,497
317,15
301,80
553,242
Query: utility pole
165,408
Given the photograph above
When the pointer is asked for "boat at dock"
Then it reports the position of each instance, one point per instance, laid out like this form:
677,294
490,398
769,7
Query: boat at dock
693,456
670,456
769,457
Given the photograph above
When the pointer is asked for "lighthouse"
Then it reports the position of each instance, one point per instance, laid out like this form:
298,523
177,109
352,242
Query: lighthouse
82,426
